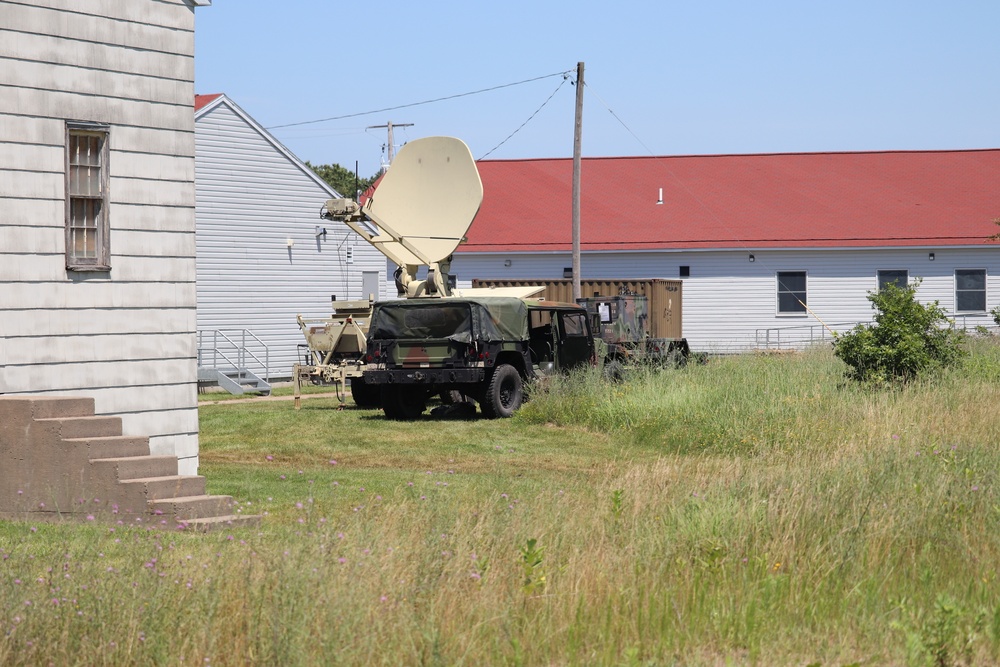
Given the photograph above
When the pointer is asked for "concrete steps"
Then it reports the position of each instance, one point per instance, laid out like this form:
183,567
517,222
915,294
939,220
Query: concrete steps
171,486
60,459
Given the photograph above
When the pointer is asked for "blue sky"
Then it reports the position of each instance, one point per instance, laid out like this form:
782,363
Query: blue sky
662,78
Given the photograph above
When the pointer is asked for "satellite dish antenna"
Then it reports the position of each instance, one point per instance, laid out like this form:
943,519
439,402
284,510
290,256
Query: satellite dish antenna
428,198
420,211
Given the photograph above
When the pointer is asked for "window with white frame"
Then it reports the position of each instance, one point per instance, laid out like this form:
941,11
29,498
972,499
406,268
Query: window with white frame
970,290
88,245
898,277
792,293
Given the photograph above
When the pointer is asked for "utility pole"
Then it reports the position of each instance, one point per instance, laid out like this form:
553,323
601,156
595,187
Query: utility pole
577,139
389,125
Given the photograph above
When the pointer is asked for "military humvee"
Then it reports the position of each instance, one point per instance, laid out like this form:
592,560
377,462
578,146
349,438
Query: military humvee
483,347
437,340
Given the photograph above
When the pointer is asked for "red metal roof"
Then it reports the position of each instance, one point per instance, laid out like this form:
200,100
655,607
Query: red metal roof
808,200
202,100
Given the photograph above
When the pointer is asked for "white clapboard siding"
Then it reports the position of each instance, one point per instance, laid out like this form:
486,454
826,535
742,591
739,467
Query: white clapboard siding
126,337
253,196
730,303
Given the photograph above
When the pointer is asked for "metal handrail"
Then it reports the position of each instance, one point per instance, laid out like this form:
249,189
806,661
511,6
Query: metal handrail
242,351
772,338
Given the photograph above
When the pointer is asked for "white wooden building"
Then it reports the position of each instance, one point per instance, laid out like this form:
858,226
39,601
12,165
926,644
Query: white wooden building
264,254
771,249
97,243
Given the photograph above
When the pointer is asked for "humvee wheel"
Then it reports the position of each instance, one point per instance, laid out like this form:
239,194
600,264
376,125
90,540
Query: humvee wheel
403,403
365,395
505,393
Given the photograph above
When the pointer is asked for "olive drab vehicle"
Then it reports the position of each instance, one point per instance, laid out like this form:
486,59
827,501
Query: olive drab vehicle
639,320
436,340
622,322
483,348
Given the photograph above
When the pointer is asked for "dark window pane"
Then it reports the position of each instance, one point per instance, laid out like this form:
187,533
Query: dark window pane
970,300
897,278
970,290
791,302
791,281
791,291
574,324
970,279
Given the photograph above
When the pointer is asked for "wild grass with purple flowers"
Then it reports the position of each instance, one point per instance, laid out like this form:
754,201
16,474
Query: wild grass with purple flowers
753,510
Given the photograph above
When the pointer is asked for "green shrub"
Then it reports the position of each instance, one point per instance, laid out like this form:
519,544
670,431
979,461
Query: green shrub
907,339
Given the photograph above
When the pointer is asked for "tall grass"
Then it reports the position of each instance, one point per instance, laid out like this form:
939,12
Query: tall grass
753,510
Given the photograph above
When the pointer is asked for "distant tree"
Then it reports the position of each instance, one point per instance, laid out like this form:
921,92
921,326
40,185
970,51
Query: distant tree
341,179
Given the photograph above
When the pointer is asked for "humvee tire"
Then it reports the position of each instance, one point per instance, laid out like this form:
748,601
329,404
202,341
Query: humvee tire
403,403
504,395
365,395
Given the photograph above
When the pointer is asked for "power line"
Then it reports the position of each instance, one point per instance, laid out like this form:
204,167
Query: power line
670,172
565,77
415,104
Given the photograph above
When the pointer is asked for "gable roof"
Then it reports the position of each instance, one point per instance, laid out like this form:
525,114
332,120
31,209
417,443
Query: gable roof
203,106
203,100
806,200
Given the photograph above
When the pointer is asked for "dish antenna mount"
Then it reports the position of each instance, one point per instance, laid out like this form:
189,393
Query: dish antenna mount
419,212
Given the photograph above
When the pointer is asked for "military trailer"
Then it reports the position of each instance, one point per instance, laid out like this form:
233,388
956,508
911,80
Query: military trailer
622,322
483,348
334,352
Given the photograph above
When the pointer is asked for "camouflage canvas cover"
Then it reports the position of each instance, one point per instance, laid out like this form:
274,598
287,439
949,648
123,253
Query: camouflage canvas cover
494,319
623,318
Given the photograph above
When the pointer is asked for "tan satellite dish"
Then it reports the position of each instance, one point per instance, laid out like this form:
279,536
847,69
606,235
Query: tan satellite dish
428,199
420,211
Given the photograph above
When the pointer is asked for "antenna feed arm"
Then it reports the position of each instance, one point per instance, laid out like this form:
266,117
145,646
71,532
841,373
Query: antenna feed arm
341,209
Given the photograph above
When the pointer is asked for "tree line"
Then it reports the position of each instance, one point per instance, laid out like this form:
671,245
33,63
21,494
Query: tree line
342,179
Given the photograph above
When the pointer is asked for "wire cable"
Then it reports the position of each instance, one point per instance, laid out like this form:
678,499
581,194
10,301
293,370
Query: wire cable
740,242
561,83
416,104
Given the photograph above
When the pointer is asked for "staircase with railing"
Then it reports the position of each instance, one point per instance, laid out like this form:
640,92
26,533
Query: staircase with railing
234,359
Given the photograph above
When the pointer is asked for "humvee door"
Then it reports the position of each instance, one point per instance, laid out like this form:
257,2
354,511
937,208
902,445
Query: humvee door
575,345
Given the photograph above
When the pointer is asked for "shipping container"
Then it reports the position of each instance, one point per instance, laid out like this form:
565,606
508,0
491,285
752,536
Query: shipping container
664,297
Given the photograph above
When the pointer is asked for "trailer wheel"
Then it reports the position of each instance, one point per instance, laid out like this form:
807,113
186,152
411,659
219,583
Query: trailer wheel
505,393
403,403
676,358
365,395
614,371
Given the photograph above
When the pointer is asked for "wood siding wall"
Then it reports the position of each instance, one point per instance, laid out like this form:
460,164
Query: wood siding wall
125,337
252,197
729,302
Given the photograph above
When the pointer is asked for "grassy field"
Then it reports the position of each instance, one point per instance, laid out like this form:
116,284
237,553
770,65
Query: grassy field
752,510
